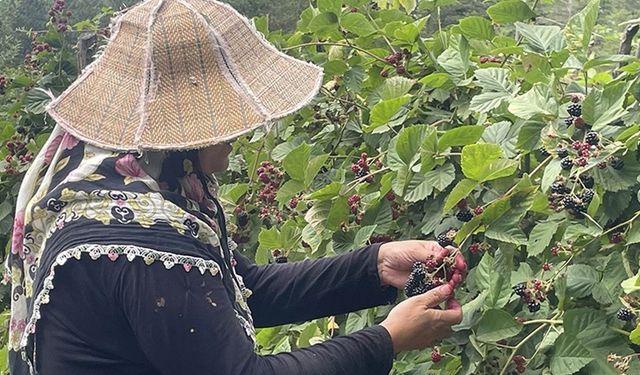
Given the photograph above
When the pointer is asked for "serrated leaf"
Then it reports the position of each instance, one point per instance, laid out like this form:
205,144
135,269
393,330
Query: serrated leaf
313,167
385,111
495,79
441,178
602,107
541,38
396,87
324,24
476,27
618,180
537,101
296,162
551,172
459,192
338,213
510,11
452,61
496,325
460,136
327,192
581,279
288,190
580,26
488,101
540,237
358,24
569,356
469,311
634,337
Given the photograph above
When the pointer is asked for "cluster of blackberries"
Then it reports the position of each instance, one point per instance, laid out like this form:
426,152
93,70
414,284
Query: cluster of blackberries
4,82
40,47
447,238
271,178
17,155
361,168
395,59
519,361
396,209
445,267
575,114
58,15
465,214
490,59
279,257
293,202
561,196
625,314
561,248
532,295
354,203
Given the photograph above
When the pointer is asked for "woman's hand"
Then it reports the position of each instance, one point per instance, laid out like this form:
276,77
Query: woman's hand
417,323
395,259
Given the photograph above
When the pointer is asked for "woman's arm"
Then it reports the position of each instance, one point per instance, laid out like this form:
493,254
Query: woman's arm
299,291
194,330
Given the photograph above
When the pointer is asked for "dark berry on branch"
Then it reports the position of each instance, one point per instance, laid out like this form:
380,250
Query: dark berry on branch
616,163
559,188
384,73
464,215
543,152
533,306
587,181
401,70
581,161
625,314
587,195
568,121
566,163
562,152
520,289
444,240
475,248
617,237
242,219
579,123
575,99
281,259
546,266
592,138
478,210
575,109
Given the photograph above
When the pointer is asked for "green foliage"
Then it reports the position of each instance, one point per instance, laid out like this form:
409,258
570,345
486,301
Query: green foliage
446,109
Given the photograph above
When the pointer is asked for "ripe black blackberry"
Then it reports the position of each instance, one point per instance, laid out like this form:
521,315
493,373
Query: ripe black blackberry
419,270
566,163
444,240
616,163
587,195
625,314
569,121
543,152
242,219
415,286
559,188
592,138
464,215
533,306
562,152
568,202
575,109
520,289
587,181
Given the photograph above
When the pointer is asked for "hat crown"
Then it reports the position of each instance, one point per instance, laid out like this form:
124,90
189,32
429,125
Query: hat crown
181,74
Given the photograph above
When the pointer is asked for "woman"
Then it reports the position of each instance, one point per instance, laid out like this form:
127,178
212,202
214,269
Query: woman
120,262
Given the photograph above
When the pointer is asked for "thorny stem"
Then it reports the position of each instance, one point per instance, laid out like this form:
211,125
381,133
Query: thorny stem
542,321
524,341
620,331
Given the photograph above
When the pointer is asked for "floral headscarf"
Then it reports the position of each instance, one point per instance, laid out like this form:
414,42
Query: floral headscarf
76,200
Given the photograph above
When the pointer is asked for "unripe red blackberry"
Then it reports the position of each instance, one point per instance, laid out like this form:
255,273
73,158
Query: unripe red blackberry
401,70
617,237
546,266
436,356
384,73
581,161
475,248
478,210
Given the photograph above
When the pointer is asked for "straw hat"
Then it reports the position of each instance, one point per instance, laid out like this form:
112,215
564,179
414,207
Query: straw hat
183,74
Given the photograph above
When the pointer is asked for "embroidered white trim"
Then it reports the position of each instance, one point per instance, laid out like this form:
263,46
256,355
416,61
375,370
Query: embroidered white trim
113,252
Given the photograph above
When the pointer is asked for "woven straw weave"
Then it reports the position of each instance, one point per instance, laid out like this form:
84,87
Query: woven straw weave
183,74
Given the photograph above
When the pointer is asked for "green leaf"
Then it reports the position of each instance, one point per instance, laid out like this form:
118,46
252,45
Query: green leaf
551,171
495,79
232,192
396,87
269,240
385,111
632,237
581,279
417,189
358,24
324,24
327,192
569,356
312,169
404,148
496,325
510,11
540,237
541,38
634,337
6,208
356,321
441,178
580,26
338,213
488,101
408,5
435,80
288,190
296,162
481,162
37,101
537,101
459,192
330,6
602,107
476,27
452,61
363,235
460,136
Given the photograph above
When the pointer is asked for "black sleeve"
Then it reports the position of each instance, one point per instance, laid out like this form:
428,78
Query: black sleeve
185,324
299,291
